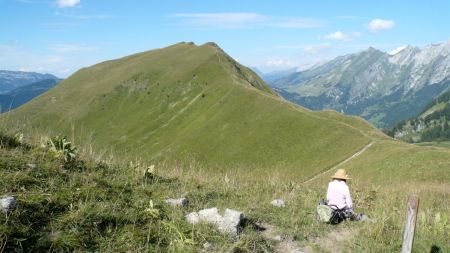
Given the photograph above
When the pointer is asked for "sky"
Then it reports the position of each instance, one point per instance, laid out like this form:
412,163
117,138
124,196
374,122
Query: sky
62,36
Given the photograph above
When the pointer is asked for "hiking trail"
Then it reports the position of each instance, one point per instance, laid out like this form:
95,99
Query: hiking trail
361,151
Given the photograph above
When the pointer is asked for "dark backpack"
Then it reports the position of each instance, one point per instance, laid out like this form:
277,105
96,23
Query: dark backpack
337,215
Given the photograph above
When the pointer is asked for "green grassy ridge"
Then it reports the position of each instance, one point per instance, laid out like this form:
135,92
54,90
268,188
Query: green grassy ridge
191,103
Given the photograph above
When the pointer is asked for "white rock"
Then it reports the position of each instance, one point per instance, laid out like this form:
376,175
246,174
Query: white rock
7,203
192,218
181,202
277,238
229,223
210,215
278,203
296,251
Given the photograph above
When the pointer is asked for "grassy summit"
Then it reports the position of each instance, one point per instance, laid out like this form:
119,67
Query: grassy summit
191,104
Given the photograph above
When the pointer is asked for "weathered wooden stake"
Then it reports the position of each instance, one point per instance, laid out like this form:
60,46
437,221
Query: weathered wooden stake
410,226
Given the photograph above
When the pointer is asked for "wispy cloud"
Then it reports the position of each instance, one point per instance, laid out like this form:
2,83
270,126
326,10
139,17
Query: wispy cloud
338,35
377,25
315,49
243,20
279,63
300,23
70,48
224,20
67,3
83,17
59,59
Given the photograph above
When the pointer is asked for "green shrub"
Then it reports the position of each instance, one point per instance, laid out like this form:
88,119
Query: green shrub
60,147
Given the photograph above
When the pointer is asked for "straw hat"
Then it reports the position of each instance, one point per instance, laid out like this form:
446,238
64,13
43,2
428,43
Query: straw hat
340,174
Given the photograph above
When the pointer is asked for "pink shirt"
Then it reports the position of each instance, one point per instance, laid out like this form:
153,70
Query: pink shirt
338,194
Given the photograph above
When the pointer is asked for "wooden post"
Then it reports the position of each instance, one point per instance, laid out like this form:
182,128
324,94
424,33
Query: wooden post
410,226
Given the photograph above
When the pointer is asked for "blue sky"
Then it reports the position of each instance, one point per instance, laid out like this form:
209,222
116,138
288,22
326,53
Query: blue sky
61,36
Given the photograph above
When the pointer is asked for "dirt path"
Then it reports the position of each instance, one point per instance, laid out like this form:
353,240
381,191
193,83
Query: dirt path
341,163
332,242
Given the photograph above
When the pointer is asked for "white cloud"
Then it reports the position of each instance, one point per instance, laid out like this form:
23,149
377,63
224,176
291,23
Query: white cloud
338,35
377,25
242,20
67,3
315,49
279,63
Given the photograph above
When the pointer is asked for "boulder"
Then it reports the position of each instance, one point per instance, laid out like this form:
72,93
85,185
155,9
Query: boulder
278,203
181,202
7,204
230,222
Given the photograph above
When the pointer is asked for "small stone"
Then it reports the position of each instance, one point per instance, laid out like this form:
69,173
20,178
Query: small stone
278,203
207,245
181,202
296,251
8,203
277,238
31,166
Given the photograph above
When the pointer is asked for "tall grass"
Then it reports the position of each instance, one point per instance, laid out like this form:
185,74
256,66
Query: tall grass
115,206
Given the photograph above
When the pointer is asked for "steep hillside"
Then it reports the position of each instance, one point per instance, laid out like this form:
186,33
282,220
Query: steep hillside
10,80
431,125
382,88
22,95
191,104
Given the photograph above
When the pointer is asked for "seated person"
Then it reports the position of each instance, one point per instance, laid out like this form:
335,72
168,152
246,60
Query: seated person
338,195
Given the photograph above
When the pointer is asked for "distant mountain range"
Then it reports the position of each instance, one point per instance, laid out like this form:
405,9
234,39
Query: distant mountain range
271,77
23,94
380,87
10,80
